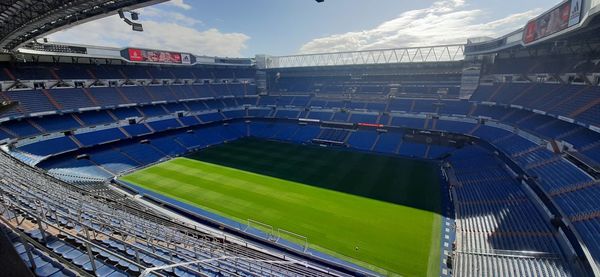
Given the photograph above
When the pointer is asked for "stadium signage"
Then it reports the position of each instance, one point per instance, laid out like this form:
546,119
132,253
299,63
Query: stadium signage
57,48
560,18
370,125
153,56
309,120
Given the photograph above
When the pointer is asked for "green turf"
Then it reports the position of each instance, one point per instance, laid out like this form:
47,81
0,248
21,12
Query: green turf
388,207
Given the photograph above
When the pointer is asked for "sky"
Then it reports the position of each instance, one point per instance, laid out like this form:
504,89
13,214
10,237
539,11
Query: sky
244,28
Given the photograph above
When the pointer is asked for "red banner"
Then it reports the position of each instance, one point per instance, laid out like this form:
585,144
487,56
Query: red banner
135,55
554,21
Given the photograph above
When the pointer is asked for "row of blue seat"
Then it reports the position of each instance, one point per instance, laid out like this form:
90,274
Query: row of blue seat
543,125
493,210
69,99
566,100
69,71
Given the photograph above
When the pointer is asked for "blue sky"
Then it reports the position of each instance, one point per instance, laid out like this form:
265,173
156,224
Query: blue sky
281,27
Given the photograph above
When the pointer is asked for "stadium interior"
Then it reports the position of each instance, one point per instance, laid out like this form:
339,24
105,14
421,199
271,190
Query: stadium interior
511,126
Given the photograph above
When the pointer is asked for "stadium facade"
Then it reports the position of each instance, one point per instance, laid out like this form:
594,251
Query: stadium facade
513,122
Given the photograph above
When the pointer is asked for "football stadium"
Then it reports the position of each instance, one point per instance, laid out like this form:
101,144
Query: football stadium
480,158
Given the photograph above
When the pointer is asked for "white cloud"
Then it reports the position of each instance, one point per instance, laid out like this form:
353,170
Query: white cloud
180,4
444,22
168,16
162,30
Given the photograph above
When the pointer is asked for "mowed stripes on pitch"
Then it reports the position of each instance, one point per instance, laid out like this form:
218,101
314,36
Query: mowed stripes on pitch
391,179
391,237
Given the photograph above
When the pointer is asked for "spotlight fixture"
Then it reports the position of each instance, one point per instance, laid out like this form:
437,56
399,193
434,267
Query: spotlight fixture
134,17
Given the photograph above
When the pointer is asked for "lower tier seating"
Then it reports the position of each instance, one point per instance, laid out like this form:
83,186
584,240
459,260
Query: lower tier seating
497,223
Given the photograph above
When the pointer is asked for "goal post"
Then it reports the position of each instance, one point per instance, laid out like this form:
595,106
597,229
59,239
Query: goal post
263,227
302,240
269,231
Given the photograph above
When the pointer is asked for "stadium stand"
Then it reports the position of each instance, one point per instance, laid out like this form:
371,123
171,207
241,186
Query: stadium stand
518,144
497,223
70,252
127,156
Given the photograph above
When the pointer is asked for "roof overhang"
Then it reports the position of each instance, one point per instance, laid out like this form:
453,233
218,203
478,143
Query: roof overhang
24,20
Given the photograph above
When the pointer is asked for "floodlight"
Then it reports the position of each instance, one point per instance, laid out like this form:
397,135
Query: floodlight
137,27
134,16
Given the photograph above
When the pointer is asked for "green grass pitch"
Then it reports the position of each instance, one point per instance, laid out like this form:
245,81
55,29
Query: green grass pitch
377,211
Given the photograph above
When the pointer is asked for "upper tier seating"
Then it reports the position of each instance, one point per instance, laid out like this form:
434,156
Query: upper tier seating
50,146
54,123
363,118
68,71
93,118
107,96
574,101
22,128
70,98
97,137
31,101
548,64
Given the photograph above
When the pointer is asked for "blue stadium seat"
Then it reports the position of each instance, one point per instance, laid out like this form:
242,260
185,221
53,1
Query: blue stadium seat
388,142
137,129
98,137
141,153
124,113
107,96
162,125
169,146
113,161
417,123
21,127
211,117
50,146
71,98
362,139
363,118
31,101
55,123
93,118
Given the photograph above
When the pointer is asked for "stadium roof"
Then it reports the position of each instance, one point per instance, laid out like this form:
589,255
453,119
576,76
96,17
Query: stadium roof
440,53
23,20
